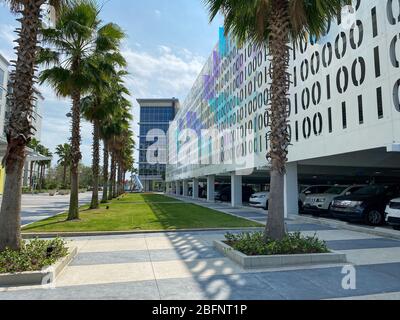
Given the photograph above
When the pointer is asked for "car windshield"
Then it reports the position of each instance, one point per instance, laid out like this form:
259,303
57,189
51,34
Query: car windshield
335,190
372,190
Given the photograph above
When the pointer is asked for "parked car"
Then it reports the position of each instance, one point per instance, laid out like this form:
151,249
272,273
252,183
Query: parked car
365,205
225,194
218,189
393,213
320,204
308,190
260,200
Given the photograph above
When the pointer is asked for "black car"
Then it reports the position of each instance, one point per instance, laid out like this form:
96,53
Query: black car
365,205
225,194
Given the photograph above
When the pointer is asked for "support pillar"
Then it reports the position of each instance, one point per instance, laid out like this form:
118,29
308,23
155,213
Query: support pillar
195,194
177,188
236,190
26,174
211,188
185,188
291,190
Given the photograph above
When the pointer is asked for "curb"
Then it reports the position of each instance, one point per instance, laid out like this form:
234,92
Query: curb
278,261
376,231
122,233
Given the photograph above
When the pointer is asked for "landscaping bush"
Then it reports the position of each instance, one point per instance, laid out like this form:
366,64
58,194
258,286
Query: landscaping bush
253,244
33,256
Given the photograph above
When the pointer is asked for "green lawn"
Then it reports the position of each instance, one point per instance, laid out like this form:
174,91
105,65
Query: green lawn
141,212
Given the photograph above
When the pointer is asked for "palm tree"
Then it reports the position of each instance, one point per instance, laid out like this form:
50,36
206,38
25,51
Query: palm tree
21,99
63,152
115,103
42,165
120,132
77,36
94,108
275,24
33,144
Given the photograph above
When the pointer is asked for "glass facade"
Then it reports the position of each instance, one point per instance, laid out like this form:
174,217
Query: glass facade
153,117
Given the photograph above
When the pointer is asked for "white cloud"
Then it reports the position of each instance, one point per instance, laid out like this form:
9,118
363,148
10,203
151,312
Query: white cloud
165,73
157,13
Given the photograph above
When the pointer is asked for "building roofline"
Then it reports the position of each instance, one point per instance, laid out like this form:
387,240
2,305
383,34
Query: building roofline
157,100
2,58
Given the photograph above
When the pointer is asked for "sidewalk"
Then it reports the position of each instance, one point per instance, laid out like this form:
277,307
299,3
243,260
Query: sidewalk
181,266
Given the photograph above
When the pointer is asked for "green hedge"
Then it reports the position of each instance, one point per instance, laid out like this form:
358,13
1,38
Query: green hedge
253,244
33,256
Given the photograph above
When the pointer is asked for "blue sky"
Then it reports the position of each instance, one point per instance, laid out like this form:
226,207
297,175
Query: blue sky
167,45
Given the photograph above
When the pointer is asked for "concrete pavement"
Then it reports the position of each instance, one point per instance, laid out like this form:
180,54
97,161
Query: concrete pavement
181,266
42,206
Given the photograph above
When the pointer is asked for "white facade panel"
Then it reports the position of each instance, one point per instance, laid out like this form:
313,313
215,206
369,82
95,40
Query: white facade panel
344,97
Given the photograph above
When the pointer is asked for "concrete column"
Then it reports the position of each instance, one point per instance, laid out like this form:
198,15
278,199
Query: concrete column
177,188
26,174
185,188
291,190
211,188
195,188
169,187
236,190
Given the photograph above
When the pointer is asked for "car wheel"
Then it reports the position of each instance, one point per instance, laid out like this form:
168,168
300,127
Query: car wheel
374,218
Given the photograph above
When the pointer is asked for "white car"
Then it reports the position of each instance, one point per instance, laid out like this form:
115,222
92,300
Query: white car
393,214
317,204
260,200
309,190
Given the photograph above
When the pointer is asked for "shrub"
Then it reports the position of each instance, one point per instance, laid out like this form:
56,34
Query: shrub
253,244
33,256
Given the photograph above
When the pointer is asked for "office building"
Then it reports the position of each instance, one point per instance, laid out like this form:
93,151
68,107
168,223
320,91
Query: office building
155,117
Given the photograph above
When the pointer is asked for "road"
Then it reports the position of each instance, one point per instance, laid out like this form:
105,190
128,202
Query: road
38,207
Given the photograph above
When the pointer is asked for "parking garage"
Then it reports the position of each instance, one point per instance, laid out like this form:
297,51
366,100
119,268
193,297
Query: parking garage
344,113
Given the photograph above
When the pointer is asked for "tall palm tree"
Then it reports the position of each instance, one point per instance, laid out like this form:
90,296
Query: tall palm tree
63,152
276,24
77,36
21,100
120,131
114,103
96,110
33,144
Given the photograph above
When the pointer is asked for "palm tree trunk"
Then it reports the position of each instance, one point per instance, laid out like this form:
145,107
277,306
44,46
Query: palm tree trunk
115,184
105,172
279,137
95,165
76,157
65,177
19,132
120,182
41,177
112,178
31,177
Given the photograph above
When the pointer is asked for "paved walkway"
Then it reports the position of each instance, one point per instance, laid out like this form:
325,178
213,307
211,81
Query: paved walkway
42,206
185,266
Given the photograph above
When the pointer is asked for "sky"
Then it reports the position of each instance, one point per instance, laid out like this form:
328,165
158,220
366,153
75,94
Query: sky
167,43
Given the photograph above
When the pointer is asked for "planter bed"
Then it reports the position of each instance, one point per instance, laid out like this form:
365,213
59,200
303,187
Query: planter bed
35,278
273,261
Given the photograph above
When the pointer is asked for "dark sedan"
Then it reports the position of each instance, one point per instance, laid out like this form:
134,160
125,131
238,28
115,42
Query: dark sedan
225,194
365,205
